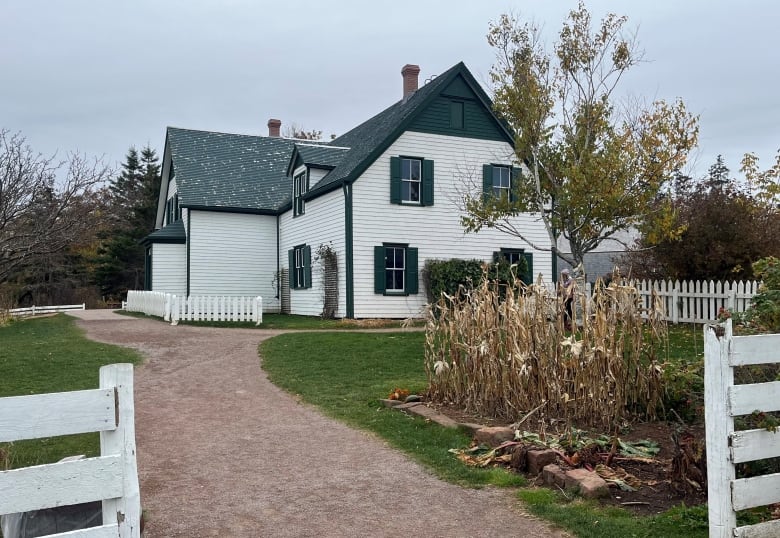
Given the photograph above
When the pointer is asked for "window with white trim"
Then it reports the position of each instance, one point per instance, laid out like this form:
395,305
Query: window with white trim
411,179
395,269
502,183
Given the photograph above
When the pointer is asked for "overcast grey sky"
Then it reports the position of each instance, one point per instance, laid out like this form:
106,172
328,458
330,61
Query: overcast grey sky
98,76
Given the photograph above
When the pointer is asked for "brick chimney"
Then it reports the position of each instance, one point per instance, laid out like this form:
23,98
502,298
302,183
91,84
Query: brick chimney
273,127
410,72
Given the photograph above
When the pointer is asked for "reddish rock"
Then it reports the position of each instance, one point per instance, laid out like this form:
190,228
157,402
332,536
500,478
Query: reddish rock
538,458
494,435
588,483
554,475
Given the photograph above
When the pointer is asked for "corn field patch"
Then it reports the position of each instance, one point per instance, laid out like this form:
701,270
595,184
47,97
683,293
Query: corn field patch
504,352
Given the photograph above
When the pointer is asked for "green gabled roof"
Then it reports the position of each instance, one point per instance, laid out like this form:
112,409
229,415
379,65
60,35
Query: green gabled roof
172,233
315,154
368,140
230,171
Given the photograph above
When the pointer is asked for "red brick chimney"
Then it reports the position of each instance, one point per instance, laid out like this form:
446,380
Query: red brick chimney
410,72
273,127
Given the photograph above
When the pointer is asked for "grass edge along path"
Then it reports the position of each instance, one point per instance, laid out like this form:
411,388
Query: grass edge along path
349,372
51,354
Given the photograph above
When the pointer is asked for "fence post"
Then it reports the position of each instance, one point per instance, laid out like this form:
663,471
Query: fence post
258,310
126,510
718,377
175,310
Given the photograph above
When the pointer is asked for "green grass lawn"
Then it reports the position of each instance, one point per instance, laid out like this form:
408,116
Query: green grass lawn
349,372
52,355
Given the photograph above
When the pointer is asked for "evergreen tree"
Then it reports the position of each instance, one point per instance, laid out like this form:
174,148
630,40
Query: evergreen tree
133,195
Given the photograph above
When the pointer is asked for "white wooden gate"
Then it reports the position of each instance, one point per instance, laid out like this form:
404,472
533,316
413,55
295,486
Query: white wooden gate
112,477
723,400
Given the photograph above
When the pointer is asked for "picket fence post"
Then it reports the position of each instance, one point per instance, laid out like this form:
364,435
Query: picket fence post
718,377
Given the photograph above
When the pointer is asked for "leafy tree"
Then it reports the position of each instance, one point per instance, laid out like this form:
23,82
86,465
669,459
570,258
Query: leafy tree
133,194
765,182
724,229
592,167
298,131
46,206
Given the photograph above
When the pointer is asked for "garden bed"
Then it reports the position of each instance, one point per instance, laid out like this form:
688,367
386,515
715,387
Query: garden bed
656,493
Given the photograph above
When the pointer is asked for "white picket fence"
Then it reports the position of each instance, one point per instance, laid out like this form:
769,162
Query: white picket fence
697,301
111,478
723,400
35,310
175,308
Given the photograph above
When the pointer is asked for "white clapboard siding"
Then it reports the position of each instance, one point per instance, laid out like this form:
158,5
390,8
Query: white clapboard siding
697,301
32,417
725,447
232,254
321,224
436,231
169,268
111,478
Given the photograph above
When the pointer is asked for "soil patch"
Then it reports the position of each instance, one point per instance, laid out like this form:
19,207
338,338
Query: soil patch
656,494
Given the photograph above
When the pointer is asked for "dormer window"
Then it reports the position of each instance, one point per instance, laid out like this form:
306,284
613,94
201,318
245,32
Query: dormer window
300,187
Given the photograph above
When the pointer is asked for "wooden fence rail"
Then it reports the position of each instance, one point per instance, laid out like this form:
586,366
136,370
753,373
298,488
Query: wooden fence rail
723,400
35,310
111,478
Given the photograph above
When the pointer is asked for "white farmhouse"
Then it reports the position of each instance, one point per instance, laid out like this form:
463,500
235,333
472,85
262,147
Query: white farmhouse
248,215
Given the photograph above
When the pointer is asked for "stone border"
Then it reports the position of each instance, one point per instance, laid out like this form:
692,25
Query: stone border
533,461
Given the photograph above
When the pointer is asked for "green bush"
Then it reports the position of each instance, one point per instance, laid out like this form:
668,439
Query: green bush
764,313
449,275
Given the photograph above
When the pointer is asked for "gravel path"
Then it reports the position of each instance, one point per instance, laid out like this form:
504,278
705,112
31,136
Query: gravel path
224,452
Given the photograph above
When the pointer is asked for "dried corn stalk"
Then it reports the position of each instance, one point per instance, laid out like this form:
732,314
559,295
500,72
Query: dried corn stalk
503,352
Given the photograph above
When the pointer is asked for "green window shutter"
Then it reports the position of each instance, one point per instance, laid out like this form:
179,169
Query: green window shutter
307,266
412,286
427,182
528,275
291,267
487,179
379,269
515,175
395,180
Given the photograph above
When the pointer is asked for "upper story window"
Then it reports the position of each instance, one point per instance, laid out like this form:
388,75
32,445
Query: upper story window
411,178
172,209
498,180
411,181
502,183
300,187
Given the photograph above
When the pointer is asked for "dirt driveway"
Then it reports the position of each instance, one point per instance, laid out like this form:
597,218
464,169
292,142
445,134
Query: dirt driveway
223,452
